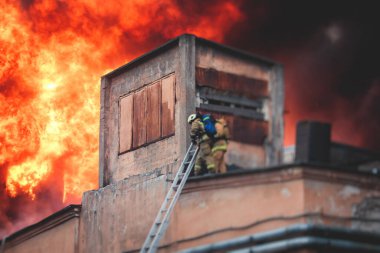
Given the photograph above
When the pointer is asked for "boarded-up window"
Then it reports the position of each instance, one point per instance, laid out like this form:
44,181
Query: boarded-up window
153,118
147,115
126,116
139,118
241,85
167,105
243,130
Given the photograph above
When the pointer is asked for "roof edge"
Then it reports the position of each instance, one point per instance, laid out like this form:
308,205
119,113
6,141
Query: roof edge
239,52
284,166
53,220
143,57
175,41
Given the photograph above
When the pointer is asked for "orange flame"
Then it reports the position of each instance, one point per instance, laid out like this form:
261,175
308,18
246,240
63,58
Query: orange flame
52,56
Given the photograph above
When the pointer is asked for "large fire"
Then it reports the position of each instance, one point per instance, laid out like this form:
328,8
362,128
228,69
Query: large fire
52,56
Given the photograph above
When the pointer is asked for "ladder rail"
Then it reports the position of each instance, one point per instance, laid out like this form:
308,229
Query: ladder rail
165,223
176,178
160,223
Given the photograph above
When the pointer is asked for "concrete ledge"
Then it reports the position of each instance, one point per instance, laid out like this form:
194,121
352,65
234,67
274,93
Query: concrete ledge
54,220
283,173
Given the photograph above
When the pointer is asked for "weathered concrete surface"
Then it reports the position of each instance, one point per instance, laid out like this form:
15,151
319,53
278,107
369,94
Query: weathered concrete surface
342,194
177,60
368,208
119,166
227,207
118,217
57,233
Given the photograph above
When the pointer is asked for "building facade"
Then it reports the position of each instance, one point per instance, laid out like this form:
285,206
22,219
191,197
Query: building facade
260,205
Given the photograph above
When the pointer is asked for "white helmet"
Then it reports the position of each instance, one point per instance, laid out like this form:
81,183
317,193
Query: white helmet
191,118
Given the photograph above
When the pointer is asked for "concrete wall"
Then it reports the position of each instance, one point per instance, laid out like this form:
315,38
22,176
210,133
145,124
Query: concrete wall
343,195
219,59
177,60
62,238
226,207
143,159
118,217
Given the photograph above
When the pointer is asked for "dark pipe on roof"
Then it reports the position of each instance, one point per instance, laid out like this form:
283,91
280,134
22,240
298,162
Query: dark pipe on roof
325,244
361,238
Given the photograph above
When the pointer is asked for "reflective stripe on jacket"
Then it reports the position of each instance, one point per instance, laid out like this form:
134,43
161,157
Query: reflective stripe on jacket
219,145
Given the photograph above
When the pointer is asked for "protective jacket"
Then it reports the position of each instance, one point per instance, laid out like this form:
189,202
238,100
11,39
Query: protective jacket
219,145
221,137
197,132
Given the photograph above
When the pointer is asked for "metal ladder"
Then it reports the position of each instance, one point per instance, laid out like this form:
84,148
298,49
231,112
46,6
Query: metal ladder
161,222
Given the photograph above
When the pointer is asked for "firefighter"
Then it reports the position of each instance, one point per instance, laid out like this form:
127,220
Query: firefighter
219,146
198,135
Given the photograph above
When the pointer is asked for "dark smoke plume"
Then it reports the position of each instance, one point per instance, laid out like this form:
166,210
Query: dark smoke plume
330,51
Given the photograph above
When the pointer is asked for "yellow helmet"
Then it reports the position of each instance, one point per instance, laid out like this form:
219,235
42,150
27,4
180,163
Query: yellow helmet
191,118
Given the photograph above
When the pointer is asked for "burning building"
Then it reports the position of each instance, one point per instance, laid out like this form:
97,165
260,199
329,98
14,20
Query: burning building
312,203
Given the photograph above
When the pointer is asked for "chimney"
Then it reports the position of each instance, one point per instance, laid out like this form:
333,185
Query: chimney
313,141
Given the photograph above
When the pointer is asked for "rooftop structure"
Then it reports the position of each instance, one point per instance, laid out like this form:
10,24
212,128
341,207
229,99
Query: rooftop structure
145,105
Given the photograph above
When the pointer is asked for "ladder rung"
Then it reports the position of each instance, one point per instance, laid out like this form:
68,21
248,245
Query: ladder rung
162,220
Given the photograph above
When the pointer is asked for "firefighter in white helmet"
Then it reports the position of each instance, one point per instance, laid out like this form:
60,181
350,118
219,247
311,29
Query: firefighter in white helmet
198,135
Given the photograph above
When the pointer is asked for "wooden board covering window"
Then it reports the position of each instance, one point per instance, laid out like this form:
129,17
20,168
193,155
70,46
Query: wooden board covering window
139,118
125,126
241,85
153,118
244,130
249,131
167,105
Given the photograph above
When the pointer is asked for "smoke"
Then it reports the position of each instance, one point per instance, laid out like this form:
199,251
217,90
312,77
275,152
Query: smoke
330,54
